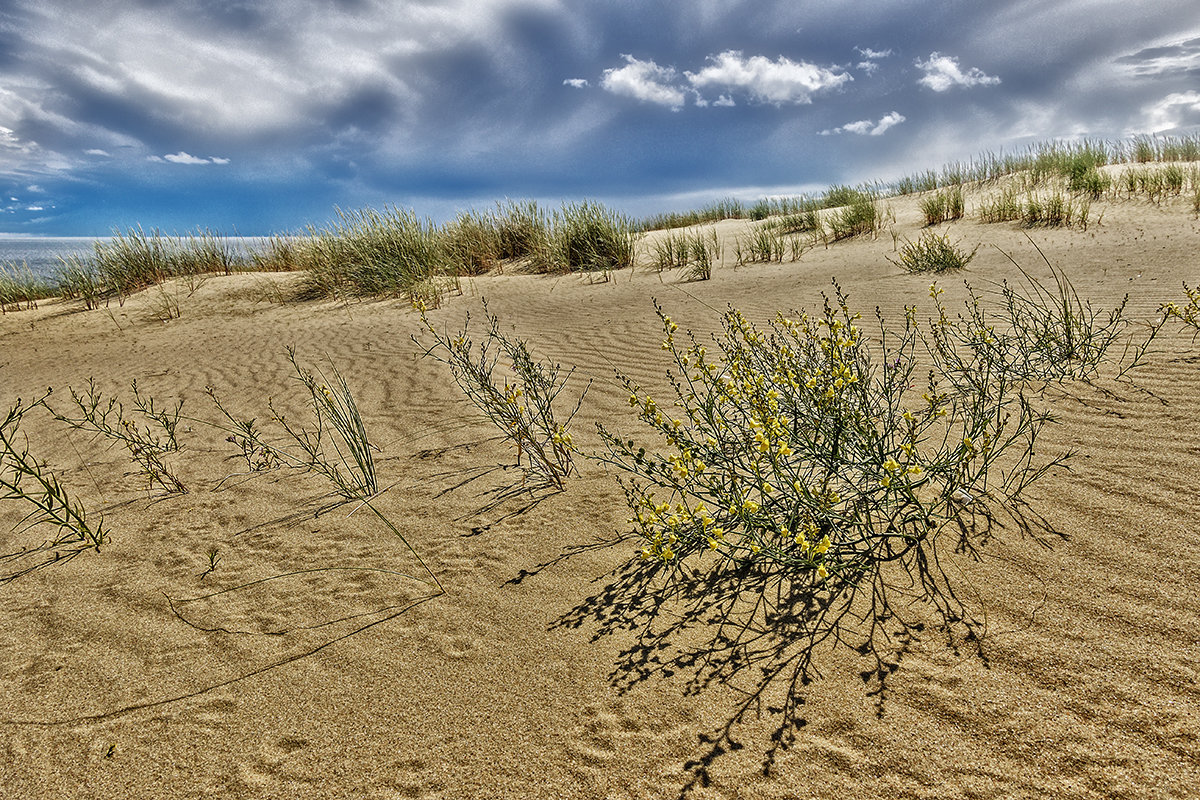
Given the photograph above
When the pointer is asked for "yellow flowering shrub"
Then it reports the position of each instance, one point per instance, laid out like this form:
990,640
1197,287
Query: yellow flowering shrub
804,445
790,495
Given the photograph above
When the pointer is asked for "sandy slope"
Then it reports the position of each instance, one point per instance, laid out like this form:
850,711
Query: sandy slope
124,675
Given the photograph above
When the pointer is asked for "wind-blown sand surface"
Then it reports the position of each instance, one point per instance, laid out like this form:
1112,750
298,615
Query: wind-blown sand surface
335,679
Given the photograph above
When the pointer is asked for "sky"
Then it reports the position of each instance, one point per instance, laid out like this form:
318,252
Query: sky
262,116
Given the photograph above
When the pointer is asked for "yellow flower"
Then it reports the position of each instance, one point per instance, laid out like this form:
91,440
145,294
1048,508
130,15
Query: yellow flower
822,572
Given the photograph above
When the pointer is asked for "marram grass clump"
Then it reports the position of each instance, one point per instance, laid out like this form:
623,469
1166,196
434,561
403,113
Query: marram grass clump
933,253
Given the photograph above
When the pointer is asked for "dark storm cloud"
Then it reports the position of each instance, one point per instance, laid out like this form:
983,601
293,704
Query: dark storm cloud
301,104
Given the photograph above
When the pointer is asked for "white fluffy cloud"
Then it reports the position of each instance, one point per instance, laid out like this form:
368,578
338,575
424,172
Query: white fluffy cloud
865,127
1173,111
578,83
183,157
645,81
943,72
778,82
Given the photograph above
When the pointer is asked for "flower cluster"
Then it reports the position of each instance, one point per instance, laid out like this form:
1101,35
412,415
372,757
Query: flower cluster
1189,312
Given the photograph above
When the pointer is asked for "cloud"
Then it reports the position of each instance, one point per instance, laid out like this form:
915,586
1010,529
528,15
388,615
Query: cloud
95,151
1176,58
645,81
942,73
187,158
1176,110
865,127
578,83
724,101
874,55
777,82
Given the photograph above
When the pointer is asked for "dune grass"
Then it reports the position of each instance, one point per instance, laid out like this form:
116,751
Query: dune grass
393,252
21,290
133,260
694,253
766,243
944,206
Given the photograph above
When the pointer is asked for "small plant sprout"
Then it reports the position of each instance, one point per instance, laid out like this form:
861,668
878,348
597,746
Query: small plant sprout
336,446
520,402
214,558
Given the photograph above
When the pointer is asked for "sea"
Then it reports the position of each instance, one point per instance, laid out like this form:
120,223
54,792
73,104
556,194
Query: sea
43,255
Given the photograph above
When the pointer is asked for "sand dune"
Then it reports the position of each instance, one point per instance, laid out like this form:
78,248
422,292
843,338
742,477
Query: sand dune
312,662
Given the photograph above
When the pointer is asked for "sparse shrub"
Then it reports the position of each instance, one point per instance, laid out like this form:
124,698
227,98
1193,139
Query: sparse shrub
796,493
1032,332
147,441
933,253
24,478
520,403
336,446
1188,313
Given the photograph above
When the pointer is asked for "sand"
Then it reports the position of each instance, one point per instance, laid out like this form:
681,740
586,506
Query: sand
129,672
